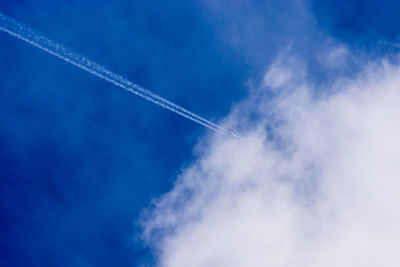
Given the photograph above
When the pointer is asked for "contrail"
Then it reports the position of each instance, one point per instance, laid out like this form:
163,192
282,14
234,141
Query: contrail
27,34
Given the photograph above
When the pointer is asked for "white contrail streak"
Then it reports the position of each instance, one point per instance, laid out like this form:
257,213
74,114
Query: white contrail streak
28,35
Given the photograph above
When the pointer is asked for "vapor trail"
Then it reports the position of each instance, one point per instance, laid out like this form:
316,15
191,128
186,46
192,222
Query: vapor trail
28,35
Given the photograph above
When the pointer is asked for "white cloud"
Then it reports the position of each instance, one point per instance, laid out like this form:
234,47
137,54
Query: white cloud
315,183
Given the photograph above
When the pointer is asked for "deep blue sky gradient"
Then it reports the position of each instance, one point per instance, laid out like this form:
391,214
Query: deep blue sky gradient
81,158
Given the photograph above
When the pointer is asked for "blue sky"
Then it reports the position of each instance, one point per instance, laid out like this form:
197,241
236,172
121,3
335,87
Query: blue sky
80,158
